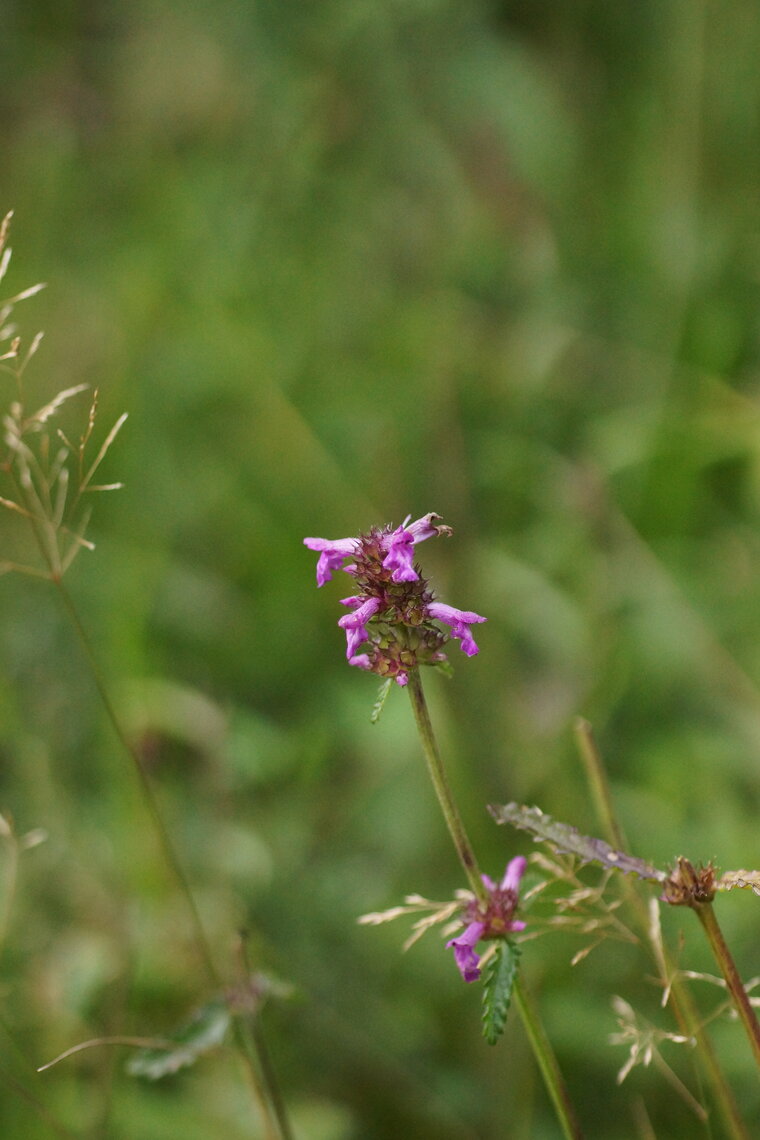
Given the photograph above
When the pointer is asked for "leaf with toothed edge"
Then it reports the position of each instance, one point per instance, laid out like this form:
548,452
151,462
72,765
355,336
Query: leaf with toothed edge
205,1031
501,973
569,841
382,697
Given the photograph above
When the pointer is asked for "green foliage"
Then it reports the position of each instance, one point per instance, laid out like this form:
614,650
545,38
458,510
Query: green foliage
499,981
339,262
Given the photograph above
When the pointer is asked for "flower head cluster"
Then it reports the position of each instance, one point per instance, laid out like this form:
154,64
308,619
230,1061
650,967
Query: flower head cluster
492,917
394,614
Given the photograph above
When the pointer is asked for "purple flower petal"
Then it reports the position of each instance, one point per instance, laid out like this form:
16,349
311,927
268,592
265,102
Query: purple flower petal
399,545
514,873
426,527
331,554
459,621
355,624
400,556
464,954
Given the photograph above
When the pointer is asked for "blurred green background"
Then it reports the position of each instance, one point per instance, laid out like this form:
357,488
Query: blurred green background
342,260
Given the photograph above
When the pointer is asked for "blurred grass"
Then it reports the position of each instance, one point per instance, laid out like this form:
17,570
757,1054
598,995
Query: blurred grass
341,262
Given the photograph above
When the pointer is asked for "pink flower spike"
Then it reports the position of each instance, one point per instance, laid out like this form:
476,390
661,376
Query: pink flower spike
331,554
459,622
464,953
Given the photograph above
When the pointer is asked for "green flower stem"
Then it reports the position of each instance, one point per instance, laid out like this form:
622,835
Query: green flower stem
441,785
706,916
684,1008
540,1044
547,1062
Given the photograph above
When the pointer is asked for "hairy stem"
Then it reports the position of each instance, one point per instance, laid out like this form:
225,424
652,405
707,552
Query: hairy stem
441,785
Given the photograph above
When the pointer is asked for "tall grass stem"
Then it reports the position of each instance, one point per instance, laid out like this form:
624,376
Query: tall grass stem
265,1090
540,1044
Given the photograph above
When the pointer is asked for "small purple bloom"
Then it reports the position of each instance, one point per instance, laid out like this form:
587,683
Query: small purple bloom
406,633
331,554
489,918
464,951
399,545
399,557
355,624
512,876
459,622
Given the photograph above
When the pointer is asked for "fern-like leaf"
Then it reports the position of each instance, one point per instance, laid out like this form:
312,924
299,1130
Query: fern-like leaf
501,973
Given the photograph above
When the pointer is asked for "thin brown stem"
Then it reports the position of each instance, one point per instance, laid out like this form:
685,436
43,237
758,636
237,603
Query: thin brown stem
684,1009
724,958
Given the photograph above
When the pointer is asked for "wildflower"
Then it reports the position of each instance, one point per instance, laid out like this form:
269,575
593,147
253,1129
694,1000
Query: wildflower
395,614
488,918
355,624
459,620
331,554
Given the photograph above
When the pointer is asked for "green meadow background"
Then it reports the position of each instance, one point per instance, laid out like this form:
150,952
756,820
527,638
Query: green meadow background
341,261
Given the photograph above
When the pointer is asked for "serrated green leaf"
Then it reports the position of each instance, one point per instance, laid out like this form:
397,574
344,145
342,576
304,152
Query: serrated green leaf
497,989
569,841
382,697
204,1031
